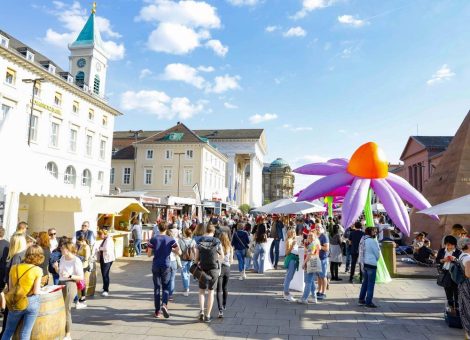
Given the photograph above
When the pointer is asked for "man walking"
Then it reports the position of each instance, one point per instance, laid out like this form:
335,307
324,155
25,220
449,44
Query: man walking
161,246
277,234
209,254
354,240
324,251
136,232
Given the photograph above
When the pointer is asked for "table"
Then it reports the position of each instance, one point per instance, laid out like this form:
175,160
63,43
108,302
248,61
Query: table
297,282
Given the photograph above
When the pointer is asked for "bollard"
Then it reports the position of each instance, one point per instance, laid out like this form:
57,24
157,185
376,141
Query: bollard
390,258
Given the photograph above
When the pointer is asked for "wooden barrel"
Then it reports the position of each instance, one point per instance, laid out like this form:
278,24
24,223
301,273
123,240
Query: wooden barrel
50,324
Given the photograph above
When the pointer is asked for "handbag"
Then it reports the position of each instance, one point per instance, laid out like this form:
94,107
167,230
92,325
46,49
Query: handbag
249,252
444,279
81,285
313,265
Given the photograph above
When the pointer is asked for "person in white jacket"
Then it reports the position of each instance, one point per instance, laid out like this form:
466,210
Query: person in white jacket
369,254
104,251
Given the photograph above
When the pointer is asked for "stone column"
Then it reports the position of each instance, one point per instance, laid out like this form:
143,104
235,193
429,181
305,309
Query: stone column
231,175
252,180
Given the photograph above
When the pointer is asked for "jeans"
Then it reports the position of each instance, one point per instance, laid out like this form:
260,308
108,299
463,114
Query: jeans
353,267
161,281
185,273
241,259
174,269
105,269
348,256
55,278
258,258
324,268
222,283
138,247
368,284
289,276
28,315
309,279
274,252
248,263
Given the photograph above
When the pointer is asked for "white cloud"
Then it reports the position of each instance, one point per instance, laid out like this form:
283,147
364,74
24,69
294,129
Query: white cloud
295,32
244,2
351,21
217,47
72,18
181,26
230,106
444,73
257,118
225,83
160,104
144,73
271,28
184,73
207,69
312,5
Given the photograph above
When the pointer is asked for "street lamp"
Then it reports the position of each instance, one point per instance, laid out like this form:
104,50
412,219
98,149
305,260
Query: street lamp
136,134
179,163
34,81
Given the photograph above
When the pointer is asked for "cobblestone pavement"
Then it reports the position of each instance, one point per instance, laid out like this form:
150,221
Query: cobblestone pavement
409,309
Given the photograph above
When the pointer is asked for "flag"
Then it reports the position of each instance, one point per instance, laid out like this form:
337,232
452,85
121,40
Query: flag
230,189
235,192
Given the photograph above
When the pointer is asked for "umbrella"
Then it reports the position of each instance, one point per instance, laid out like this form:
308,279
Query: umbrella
268,207
457,206
298,208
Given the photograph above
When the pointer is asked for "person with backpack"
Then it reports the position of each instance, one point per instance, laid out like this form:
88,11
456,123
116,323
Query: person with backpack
161,246
464,286
23,298
187,246
444,259
209,254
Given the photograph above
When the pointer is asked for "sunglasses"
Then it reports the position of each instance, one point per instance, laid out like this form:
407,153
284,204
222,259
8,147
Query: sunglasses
52,234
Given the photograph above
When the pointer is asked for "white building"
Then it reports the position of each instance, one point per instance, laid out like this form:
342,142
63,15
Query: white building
56,149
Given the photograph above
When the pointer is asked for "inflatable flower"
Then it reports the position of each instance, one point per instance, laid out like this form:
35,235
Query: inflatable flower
367,168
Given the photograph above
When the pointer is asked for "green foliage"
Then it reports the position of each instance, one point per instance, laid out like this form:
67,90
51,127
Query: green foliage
266,201
244,208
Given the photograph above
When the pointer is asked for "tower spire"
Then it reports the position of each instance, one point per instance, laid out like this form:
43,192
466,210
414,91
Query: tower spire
93,9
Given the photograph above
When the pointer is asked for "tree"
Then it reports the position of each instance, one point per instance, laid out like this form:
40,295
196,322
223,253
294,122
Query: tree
244,208
266,201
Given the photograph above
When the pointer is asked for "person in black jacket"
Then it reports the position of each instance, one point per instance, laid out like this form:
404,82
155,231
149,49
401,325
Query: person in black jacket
444,258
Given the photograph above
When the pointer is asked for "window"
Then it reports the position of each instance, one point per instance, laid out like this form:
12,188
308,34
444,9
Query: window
80,79
70,176
149,154
52,168
126,179
33,128
148,176
51,68
104,121
4,112
29,56
86,178
58,99
89,145
167,177
37,89
96,85
189,154
73,140
54,141
75,107
91,114
10,76
168,154
102,149
111,176
188,177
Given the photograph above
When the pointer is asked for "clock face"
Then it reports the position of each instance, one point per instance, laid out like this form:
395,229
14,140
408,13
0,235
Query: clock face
98,67
81,62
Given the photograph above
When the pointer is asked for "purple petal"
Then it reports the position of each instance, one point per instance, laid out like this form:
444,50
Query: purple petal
392,204
354,201
340,161
320,169
324,185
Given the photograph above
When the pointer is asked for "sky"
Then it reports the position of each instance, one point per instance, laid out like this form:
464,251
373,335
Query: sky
322,77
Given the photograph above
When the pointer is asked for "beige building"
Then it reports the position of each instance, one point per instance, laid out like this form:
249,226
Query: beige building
278,181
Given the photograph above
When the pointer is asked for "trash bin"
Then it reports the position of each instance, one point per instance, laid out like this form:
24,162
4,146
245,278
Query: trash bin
390,258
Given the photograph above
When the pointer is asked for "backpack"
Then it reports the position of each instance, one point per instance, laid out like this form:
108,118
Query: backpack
457,272
188,252
17,296
208,254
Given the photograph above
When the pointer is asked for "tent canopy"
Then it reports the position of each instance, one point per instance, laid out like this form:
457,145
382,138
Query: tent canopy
457,206
298,208
114,205
268,207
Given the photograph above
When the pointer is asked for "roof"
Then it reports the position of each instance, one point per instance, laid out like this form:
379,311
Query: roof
114,205
88,35
209,134
126,153
179,133
434,142
278,163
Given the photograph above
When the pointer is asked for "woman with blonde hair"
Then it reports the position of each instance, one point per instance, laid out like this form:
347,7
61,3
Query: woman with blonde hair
224,276
199,232
105,252
28,275
291,262
44,242
70,272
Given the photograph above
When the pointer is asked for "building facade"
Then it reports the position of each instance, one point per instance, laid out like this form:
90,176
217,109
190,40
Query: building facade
56,132
278,181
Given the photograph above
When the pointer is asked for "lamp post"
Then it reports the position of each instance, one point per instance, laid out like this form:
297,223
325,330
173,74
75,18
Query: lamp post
135,134
178,177
34,81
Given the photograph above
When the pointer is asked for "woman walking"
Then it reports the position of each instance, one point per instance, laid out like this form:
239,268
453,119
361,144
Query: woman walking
44,242
445,257
312,266
84,254
261,239
369,253
464,287
240,242
106,256
70,272
187,246
291,262
248,254
174,257
224,276
28,276
336,253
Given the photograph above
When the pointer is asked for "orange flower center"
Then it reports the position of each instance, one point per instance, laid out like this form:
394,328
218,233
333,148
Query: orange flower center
368,162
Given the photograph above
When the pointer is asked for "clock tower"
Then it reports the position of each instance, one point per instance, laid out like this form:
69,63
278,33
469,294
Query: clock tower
88,60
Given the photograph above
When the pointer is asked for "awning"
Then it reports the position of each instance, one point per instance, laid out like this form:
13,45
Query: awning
114,205
457,206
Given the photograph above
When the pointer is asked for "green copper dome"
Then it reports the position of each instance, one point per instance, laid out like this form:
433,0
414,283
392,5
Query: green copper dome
279,163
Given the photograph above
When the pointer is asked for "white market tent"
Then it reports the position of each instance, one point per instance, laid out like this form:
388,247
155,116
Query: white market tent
457,206
268,207
378,207
298,208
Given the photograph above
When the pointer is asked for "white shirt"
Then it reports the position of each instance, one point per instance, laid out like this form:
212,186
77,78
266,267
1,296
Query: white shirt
54,244
70,267
447,264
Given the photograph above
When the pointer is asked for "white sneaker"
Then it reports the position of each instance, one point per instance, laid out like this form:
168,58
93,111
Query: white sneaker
105,294
244,276
186,293
241,278
289,298
314,300
302,302
80,305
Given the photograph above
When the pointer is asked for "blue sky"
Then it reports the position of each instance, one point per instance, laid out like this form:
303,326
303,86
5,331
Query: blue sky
321,76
